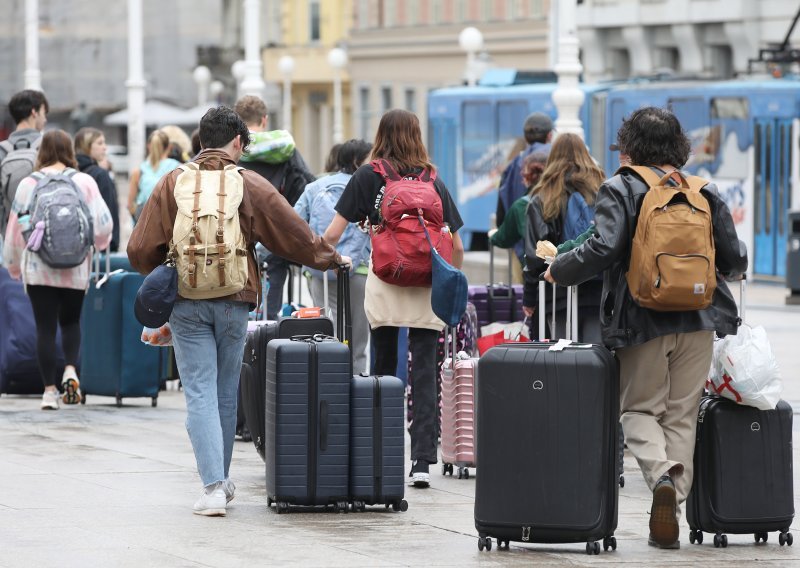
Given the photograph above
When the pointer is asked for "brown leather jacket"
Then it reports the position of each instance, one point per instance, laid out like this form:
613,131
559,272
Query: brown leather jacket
264,215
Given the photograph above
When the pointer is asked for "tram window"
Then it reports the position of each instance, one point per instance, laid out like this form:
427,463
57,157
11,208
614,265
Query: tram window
783,175
768,173
757,179
510,118
477,125
730,107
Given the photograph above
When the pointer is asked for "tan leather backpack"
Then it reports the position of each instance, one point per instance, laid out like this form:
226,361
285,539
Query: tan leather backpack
672,258
207,243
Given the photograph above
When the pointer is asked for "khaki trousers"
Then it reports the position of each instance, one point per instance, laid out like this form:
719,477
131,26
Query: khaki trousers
660,388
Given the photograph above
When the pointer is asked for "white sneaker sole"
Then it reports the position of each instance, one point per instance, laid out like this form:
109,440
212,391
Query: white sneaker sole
211,512
49,406
420,480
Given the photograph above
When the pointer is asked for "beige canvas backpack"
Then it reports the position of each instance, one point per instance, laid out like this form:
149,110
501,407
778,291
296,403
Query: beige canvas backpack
672,258
207,243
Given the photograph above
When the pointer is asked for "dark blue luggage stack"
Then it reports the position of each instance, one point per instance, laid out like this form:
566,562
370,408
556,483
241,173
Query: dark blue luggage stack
114,361
19,370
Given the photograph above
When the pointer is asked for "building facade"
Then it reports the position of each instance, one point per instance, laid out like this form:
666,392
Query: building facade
309,29
401,49
708,38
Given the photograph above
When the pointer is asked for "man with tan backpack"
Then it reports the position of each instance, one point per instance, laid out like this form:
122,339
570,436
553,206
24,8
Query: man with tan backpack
664,241
207,216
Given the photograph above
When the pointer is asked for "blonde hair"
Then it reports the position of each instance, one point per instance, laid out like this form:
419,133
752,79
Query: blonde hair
157,146
570,164
84,138
179,139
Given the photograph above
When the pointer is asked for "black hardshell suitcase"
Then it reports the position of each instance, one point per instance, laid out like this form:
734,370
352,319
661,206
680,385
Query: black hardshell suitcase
307,419
742,472
254,366
377,428
547,439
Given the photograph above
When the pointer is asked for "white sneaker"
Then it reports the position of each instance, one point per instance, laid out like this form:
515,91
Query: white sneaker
228,487
72,388
211,504
50,400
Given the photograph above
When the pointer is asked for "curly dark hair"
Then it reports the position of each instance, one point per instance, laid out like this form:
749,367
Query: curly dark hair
653,136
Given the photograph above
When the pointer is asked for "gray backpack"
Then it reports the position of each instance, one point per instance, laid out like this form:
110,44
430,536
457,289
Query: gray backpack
17,164
60,228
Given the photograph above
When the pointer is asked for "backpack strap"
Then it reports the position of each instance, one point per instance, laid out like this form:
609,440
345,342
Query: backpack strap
385,169
221,227
649,176
696,183
192,266
7,146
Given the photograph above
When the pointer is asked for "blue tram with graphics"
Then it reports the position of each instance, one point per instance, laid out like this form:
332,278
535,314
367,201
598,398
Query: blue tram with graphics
745,137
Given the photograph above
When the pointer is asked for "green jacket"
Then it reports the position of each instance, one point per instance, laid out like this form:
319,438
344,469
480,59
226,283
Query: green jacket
512,230
577,241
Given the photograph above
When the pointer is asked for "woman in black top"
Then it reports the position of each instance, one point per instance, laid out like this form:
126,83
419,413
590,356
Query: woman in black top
389,307
90,150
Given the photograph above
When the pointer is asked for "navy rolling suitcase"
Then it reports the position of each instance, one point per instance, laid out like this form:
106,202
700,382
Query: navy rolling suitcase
547,417
254,367
307,421
19,369
377,429
114,361
742,472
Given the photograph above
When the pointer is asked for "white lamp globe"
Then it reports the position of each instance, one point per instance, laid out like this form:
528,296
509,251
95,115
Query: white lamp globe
470,39
201,74
337,58
216,88
238,70
286,65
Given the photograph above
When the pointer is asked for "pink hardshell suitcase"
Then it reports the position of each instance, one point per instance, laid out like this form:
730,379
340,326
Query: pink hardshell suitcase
458,411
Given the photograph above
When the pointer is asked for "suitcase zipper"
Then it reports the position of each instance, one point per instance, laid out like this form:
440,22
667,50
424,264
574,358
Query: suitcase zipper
377,441
313,380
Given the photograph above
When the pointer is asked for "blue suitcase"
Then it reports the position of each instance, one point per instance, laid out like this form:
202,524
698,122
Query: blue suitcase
307,422
19,370
115,362
377,442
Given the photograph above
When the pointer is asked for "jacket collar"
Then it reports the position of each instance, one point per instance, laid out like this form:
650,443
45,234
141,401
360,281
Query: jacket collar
213,159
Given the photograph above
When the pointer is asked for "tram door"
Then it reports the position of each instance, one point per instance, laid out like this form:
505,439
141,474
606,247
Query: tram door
771,194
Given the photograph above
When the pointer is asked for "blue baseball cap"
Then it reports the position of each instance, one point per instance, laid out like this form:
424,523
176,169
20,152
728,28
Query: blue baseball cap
156,296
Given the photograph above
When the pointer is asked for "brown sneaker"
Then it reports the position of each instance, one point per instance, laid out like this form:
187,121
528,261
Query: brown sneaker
664,530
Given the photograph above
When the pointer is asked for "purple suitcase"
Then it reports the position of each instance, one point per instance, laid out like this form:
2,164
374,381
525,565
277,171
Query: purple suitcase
497,302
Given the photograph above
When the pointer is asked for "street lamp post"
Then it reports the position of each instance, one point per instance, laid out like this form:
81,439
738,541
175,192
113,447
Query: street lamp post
286,67
252,83
471,40
202,76
238,72
215,89
337,58
33,75
135,85
567,97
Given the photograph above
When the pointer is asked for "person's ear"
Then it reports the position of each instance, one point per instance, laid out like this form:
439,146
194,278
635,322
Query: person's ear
264,122
549,137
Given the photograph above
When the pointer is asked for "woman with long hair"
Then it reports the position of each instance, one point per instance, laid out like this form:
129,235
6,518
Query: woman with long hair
570,170
146,176
56,294
389,307
90,152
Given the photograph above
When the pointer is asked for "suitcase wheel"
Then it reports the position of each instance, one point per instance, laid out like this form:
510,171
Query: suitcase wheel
154,401
502,544
484,542
83,398
609,542
119,402
447,468
592,548
401,505
281,507
784,538
696,536
759,536
720,540
463,473
622,481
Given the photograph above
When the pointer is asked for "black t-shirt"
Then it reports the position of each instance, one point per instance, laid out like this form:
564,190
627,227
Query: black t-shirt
364,193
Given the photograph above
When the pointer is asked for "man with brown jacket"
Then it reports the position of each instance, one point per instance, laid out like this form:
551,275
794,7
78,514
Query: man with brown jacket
209,335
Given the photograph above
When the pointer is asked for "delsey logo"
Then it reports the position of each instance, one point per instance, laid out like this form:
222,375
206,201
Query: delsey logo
755,426
538,385
526,534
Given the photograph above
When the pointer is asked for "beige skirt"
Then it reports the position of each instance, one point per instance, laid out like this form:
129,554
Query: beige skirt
398,306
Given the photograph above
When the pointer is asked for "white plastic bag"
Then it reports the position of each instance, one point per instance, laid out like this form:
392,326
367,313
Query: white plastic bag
745,370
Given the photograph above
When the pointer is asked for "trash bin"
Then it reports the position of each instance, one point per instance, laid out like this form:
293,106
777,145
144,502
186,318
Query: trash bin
793,259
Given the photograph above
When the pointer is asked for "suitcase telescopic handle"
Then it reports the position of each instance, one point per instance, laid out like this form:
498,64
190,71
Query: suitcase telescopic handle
571,327
344,324
511,296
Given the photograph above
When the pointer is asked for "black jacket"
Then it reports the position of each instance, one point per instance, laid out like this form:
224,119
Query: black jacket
537,229
624,322
108,191
289,178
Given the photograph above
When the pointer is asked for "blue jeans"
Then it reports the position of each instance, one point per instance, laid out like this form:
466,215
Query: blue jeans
209,338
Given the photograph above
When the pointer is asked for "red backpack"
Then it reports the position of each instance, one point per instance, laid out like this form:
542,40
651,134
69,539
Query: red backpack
401,254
